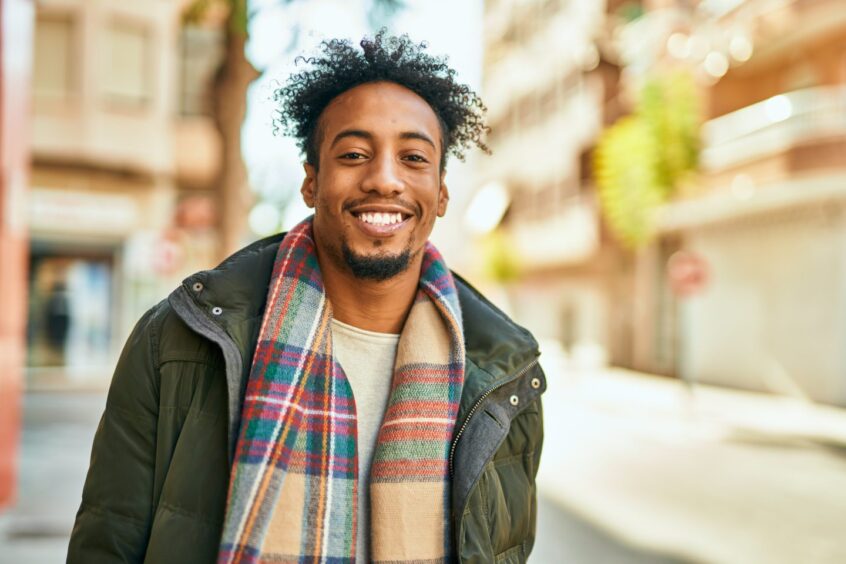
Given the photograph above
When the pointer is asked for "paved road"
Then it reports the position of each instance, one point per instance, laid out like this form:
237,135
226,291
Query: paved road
56,444
631,473
720,476
564,537
57,435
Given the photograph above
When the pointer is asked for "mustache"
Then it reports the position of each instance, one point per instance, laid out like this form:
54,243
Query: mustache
410,207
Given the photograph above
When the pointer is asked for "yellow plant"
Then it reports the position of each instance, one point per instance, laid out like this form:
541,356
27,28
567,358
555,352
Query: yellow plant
642,159
500,261
627,178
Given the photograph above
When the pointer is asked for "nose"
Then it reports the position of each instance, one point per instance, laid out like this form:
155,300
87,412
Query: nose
383,176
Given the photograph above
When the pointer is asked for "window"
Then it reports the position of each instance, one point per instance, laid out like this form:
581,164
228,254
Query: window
202,50
53,73
127,68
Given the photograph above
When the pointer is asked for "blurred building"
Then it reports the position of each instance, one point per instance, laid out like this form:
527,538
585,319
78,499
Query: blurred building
768,216
124,158
15,63
549,93
765,220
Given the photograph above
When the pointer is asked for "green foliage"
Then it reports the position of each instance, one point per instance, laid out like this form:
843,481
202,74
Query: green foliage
499,257
627,177
669,106
236,19
641,160
196,11
630,11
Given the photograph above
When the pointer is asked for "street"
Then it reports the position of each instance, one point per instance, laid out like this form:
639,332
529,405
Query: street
53,459
633,471
715,476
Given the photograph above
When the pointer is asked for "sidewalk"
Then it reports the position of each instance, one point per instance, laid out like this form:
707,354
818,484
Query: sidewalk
634,471
711,475
58,429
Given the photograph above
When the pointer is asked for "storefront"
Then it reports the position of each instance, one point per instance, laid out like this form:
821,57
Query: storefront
72,310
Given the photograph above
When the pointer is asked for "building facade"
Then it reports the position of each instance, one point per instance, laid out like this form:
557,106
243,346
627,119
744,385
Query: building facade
764,214
768,217
550,91
124,158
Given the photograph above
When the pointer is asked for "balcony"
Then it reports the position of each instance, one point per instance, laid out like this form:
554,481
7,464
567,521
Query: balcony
775,127
780,26
785,151
137,142
197,149
102,77
566,237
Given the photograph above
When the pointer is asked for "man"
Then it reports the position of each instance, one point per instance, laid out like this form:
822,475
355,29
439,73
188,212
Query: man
334,394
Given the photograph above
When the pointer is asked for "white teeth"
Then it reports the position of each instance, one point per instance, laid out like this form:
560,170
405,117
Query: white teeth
380,218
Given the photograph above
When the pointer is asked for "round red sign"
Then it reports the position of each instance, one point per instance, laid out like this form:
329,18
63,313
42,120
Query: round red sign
687,273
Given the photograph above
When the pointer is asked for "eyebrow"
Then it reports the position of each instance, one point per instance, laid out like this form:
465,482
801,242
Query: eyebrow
418,135
369,136
351,133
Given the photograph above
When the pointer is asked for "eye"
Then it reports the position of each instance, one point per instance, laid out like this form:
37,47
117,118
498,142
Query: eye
416,158
353,156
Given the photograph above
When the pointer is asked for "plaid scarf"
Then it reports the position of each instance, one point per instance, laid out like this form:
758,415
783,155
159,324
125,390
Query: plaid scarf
293,491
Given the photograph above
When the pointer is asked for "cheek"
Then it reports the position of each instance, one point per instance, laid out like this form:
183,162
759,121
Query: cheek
326,199
427,221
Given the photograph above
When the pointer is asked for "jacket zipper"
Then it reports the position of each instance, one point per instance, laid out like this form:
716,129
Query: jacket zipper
476,405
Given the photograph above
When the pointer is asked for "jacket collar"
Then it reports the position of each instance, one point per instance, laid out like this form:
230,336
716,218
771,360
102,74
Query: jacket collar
232,297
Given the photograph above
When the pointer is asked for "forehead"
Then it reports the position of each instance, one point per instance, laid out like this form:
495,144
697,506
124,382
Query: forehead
382,108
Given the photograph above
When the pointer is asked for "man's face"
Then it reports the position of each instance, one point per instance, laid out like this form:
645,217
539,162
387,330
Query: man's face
379,185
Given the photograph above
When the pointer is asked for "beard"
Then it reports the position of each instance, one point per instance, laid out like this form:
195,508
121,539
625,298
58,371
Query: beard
378,267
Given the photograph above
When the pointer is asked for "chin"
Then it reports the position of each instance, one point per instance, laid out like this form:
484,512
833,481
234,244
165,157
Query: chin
378,266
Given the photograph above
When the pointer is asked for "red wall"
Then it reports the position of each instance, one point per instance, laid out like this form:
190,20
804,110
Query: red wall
16,23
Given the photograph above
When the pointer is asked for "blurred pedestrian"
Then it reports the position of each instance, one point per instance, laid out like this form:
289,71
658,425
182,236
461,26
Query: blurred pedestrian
57,321
335,393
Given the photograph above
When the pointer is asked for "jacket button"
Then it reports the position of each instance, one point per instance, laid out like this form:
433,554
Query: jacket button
216,310
197,287
536,383
514,400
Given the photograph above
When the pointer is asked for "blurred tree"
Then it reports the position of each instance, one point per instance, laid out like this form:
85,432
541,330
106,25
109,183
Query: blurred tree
229,103
499,257
630,11
643,158
627,177
669,106
229,106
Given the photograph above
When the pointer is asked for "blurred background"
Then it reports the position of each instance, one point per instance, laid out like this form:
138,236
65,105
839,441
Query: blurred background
665,209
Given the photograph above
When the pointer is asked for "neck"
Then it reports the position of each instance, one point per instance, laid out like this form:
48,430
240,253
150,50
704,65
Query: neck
379,306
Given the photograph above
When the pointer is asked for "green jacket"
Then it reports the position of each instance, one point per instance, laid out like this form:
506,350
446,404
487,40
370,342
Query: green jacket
156,488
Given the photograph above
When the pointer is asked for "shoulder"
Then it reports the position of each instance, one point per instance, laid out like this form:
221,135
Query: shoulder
493,340
162,335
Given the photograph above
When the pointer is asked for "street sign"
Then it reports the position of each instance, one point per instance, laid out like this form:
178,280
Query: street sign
687,273
167,255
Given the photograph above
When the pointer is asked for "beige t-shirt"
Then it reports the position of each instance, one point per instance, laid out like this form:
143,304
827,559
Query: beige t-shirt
368,361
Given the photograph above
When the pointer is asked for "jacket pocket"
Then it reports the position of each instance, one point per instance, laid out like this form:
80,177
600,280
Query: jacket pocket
508,495
513,555
474,539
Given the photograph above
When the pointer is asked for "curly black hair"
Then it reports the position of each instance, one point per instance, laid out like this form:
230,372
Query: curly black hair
339,66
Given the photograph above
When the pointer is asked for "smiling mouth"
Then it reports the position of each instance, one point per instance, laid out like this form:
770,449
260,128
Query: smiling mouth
381,219
381,224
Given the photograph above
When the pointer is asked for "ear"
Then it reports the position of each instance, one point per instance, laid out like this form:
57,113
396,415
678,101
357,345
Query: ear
443,198
309,187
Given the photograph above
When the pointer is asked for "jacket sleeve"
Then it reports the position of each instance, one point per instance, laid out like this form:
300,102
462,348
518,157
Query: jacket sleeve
115,516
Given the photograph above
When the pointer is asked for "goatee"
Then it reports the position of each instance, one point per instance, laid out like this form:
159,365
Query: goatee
376,267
